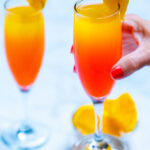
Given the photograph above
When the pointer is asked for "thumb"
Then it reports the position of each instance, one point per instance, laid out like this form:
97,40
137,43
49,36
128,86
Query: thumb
131,63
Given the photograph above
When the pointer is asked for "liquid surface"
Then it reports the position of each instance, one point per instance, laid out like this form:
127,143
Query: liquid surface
24,43
23,10
96,10
97,47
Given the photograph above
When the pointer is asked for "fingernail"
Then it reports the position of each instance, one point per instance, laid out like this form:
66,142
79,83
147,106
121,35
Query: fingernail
74,69
117,73
71,49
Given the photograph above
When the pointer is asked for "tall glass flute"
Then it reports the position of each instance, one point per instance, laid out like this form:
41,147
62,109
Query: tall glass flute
97,47
24,47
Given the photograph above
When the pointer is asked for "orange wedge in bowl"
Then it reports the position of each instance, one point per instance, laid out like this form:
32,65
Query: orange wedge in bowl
120,116
84,119
127,117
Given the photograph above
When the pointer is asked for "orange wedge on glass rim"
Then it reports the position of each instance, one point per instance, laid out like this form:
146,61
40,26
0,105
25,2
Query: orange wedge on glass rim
114,3
37,4
120,116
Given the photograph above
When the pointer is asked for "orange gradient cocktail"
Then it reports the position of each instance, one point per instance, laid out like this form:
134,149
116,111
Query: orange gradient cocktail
24,43
97,47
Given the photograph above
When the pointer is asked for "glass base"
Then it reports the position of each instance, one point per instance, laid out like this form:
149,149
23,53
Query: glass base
25,136
109,143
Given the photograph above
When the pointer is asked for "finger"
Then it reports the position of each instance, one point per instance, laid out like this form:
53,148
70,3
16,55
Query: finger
131,63
137,22
129,41
127,28
135,18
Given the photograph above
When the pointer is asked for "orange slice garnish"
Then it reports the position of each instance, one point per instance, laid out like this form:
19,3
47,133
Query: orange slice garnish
123,5
37,4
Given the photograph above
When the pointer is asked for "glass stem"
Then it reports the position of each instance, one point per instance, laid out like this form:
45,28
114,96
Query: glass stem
25,126
98,108
24,95
24,129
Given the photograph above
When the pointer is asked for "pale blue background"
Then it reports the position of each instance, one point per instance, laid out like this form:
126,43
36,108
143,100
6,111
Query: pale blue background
58,92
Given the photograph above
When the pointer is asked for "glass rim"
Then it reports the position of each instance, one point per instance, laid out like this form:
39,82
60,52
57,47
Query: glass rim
101,18
10,12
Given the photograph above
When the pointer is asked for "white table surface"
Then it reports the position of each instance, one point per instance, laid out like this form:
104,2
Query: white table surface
57,91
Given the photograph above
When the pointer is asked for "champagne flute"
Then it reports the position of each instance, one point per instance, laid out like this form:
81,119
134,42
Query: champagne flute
97,47
24,47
